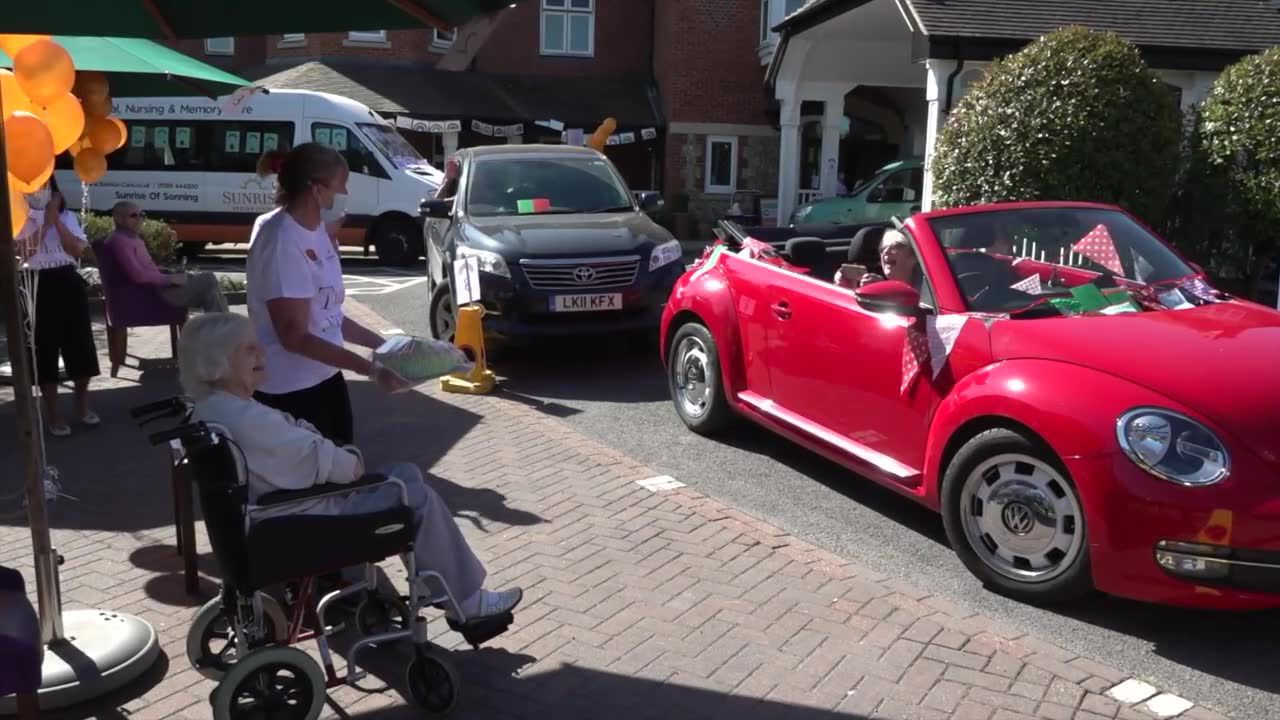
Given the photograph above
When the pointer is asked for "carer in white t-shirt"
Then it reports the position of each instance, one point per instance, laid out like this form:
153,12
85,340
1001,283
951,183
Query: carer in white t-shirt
295,295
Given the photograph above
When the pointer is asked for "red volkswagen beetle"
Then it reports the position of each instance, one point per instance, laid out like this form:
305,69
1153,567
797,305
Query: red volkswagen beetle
1080,405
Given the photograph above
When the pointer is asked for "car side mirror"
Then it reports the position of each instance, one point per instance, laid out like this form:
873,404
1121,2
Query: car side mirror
437,208
891,296
651,202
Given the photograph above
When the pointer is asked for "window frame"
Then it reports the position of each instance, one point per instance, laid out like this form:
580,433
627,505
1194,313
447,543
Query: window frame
293,38
372,37
438,41
565,10
707,186
354,136
209,48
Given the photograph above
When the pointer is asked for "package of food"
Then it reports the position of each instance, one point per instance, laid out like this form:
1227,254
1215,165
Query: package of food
418,359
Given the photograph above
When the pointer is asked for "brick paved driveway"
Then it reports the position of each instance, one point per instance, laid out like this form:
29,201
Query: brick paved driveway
641,602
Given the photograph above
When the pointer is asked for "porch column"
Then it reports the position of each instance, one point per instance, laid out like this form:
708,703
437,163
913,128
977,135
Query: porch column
833,111
450,143
937,72
788,156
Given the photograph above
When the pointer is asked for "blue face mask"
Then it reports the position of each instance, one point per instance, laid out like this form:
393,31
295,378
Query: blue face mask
333,214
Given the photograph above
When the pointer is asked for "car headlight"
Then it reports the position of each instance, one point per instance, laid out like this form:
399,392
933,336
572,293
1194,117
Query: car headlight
489,262
665,254
1172,446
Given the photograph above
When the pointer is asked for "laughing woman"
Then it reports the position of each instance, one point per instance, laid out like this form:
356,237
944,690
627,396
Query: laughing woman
53,242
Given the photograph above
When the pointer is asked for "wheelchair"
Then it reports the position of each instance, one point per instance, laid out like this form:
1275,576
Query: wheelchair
246,638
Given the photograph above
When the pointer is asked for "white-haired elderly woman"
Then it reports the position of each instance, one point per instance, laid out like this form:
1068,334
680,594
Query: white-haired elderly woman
221,364
897,260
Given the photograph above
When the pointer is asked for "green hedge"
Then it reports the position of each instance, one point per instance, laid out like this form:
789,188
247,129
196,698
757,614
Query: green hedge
161,240
1076,115
1234,173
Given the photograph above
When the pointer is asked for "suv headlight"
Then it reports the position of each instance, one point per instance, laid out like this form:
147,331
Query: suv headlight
665,254
490,262
1172,446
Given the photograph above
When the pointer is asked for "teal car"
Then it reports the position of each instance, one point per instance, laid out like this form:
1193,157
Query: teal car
895,190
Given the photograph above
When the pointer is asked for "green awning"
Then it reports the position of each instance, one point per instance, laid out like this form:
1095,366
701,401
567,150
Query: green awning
164,19
142,68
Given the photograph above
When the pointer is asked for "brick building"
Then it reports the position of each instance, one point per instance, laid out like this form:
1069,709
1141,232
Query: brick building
683,78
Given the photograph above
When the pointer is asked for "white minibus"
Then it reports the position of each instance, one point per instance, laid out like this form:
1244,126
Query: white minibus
192,162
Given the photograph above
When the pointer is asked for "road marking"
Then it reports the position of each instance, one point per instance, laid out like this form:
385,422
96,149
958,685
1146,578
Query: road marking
660,483
363,285
1132,692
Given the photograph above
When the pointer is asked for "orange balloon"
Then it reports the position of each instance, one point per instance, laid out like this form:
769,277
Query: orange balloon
124,133
11,95
91,165
65,119
91,85
75,147
45,71
17,208
96,107
13,44
104,135
28,148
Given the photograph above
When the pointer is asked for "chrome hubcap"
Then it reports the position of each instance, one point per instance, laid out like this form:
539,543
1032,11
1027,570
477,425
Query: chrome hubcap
1022,518
689,376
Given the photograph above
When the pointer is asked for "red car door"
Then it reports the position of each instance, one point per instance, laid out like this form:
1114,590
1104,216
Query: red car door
836,374
750,284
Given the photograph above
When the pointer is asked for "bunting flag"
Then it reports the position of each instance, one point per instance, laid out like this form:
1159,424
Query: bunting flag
535,205
1100,248
1201,289
943,331
915,353
1029,285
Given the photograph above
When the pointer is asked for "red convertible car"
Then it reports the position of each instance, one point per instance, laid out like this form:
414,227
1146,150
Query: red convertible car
1082,407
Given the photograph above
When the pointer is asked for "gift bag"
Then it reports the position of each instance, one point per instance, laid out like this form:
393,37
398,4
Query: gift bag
419,359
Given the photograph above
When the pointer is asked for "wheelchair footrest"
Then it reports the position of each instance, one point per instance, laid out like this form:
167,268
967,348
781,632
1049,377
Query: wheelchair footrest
480,631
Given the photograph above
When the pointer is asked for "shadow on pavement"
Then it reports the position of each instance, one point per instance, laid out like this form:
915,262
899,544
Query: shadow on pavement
122,484
1233,646
499,685
109,706
607,368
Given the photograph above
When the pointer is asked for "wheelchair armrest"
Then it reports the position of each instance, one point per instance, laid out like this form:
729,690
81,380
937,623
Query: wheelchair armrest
289,497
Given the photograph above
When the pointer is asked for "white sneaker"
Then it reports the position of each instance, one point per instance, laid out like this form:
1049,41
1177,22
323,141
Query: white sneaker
488,603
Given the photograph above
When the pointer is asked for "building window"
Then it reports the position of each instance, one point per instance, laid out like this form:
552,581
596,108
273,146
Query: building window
220,46
368,36
443,38
293,38
568,27
722,164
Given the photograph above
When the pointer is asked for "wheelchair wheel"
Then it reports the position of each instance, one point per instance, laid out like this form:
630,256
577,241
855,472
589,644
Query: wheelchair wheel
211,646
432,683
379,613
276,683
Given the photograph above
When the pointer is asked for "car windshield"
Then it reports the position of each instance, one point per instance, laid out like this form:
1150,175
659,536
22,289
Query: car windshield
393,146
529,185
1061,261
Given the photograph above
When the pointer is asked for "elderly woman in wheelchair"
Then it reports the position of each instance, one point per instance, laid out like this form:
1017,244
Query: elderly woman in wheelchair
284,504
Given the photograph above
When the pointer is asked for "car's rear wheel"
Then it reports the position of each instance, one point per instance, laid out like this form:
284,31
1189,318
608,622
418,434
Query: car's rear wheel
1015,518
443,318
693,368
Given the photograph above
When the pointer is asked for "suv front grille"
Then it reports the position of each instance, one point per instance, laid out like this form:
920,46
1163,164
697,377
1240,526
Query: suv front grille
581,274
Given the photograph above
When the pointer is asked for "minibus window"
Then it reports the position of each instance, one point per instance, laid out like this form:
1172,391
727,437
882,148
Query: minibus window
353,147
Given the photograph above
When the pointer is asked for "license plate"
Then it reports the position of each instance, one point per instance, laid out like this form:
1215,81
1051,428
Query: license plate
586,303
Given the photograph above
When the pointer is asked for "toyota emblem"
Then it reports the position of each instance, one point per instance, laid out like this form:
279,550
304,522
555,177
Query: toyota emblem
584,275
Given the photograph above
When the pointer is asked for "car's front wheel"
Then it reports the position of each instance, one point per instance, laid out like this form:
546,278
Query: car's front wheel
443,318
693,368
1015,518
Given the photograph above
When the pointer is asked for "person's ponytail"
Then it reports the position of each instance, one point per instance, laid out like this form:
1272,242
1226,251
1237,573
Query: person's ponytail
271,162
300,168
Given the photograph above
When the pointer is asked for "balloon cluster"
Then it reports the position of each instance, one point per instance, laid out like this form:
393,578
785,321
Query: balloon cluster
48,108
600,137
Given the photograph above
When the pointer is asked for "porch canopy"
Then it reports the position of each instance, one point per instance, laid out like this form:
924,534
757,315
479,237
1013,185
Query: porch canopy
828,47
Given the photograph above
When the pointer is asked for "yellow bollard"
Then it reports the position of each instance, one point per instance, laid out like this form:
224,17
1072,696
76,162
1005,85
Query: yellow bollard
469,337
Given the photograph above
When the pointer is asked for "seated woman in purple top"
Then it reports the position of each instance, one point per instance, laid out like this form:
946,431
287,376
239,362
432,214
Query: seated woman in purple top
183,290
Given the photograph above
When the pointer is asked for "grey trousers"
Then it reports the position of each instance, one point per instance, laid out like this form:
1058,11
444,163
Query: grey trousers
439,545
200,292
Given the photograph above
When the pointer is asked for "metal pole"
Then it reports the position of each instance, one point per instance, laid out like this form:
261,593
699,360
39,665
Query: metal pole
46,560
